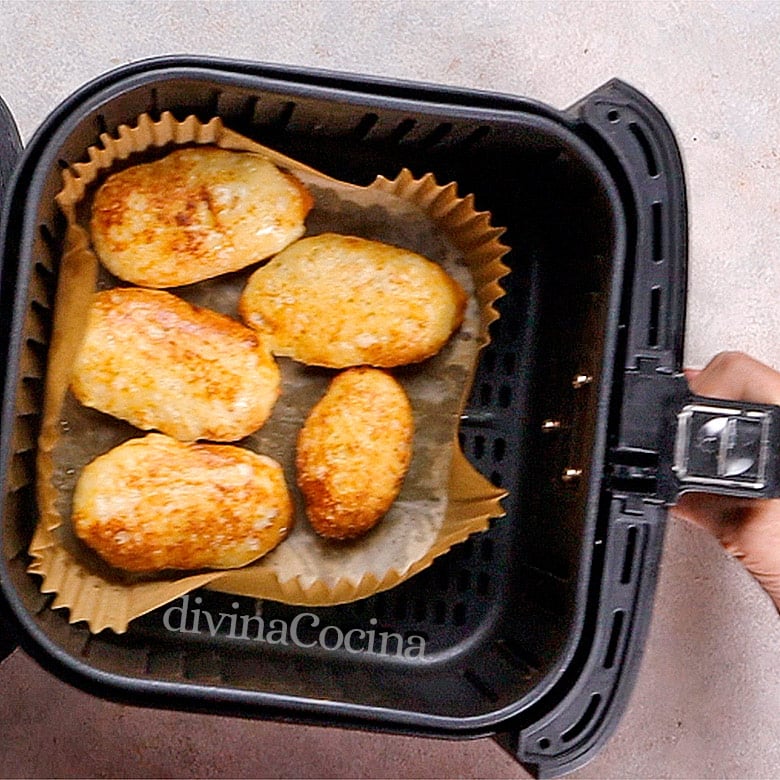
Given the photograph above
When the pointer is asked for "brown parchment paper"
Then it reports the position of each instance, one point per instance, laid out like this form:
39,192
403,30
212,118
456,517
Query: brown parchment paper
443,499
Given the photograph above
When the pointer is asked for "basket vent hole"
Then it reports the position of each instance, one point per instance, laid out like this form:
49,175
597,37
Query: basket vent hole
365,126
214,102
463,581
154,109
34,387
485,394
37,348
26,433
628,559
658,253
499,449
483,583
47,235
613,116
614,638
46,275
489,361
486,549
459,614
402,129
43,312
87,647
504,396
24,460
575,730
518,657
655,316
437,135
248,111
285,115
481,686
544,743
496,478
479,447
473,138
509,363
647,150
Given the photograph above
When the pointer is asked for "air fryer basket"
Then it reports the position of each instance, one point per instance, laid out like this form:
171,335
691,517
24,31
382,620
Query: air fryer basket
532,630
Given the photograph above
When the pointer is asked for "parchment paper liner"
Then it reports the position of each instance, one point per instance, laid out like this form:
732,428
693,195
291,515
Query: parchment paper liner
471,501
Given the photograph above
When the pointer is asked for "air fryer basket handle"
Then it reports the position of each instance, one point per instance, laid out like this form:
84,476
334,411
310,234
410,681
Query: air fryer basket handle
725,447
663,440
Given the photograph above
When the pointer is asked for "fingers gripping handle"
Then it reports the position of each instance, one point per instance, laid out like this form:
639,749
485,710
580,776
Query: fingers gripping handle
727,447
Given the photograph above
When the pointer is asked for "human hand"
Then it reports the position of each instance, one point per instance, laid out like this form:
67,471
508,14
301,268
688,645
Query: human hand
748,529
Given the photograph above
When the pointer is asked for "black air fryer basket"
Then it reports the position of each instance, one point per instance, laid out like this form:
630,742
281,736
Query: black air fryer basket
533,630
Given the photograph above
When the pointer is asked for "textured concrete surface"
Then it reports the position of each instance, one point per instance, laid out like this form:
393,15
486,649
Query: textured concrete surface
707,698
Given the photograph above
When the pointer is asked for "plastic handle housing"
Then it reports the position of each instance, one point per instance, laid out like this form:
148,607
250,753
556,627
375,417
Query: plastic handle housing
727,447
675,442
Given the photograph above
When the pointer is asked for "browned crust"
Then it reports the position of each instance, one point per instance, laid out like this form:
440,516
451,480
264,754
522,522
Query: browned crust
159,362
353,452
155,503
316,305
166,223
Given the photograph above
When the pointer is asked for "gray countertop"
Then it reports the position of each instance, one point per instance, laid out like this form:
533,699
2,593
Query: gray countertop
707,699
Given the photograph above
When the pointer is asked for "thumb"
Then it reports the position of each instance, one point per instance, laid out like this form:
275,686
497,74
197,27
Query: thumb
748,530
737,377
755,541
